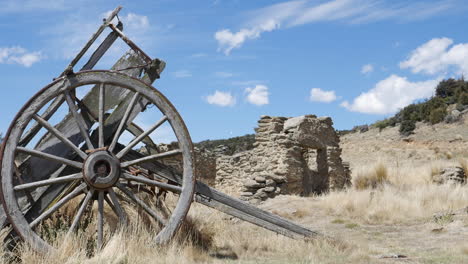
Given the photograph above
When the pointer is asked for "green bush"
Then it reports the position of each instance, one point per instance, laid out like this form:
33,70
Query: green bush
385,123
447,88
463,98
438,115
432,110
407,127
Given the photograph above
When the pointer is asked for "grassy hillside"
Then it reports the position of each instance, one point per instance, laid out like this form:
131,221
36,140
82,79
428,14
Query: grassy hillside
433,110
230,145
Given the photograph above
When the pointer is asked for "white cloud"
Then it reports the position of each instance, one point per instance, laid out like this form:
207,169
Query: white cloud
221,99
296,13
257,95
228,40
182,74
390,95
319,95
368,68
438,56
19,55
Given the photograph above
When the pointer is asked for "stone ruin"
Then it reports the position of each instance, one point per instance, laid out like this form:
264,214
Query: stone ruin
299,155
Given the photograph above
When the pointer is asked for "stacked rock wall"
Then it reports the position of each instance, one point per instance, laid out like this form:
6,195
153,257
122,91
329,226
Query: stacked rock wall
298,155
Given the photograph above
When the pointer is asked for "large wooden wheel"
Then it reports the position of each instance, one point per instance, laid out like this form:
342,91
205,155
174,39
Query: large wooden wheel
86,158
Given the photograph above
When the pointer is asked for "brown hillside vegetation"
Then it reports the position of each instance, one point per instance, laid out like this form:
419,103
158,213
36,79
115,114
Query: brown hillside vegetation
392,214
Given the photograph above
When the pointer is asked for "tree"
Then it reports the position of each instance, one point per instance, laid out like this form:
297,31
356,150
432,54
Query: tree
447,88
1,137
407,127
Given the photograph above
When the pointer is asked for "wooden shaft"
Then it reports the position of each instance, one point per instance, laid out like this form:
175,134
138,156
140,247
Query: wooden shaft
50,157
215,199
101,115
53,107
60,136
36,184
151,157
90,42
119,210
137,140
162,185
59,204
143,205
80,212
131,43
79,120
102,49
123,121
100,219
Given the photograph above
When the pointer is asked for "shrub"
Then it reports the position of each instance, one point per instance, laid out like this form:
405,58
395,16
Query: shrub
463,98
407,127
448,87
464,165
437,115
373,179
385,123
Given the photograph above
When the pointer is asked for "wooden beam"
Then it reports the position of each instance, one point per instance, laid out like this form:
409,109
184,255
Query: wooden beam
215,199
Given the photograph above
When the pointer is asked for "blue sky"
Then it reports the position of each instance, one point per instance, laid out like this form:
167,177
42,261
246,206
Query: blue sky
230,61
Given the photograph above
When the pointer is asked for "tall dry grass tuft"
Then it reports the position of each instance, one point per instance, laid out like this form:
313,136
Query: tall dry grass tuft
374,178
464,165
395,204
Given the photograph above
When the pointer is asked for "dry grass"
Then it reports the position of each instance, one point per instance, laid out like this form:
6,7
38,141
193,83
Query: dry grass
464,165
374,178
250,243
396,195
404,195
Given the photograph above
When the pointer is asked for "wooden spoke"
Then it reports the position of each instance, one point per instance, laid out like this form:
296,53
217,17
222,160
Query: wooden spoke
51,157
137,140
151,157
111,205
59,135
31,133
142,204
81,211
78,190
36,184
100,219
101,115
79,120
124,121
162,185
119,210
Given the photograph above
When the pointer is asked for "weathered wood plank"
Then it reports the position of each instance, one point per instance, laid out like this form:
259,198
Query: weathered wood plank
54,106
215,199
102,49
90,42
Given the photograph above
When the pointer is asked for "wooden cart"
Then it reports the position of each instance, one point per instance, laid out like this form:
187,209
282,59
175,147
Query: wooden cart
81,154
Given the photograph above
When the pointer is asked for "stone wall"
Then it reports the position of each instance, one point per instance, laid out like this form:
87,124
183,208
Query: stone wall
299,155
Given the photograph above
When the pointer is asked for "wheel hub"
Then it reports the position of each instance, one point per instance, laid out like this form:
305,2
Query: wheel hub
101,170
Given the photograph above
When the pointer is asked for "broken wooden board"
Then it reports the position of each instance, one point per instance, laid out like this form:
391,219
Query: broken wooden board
222,202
